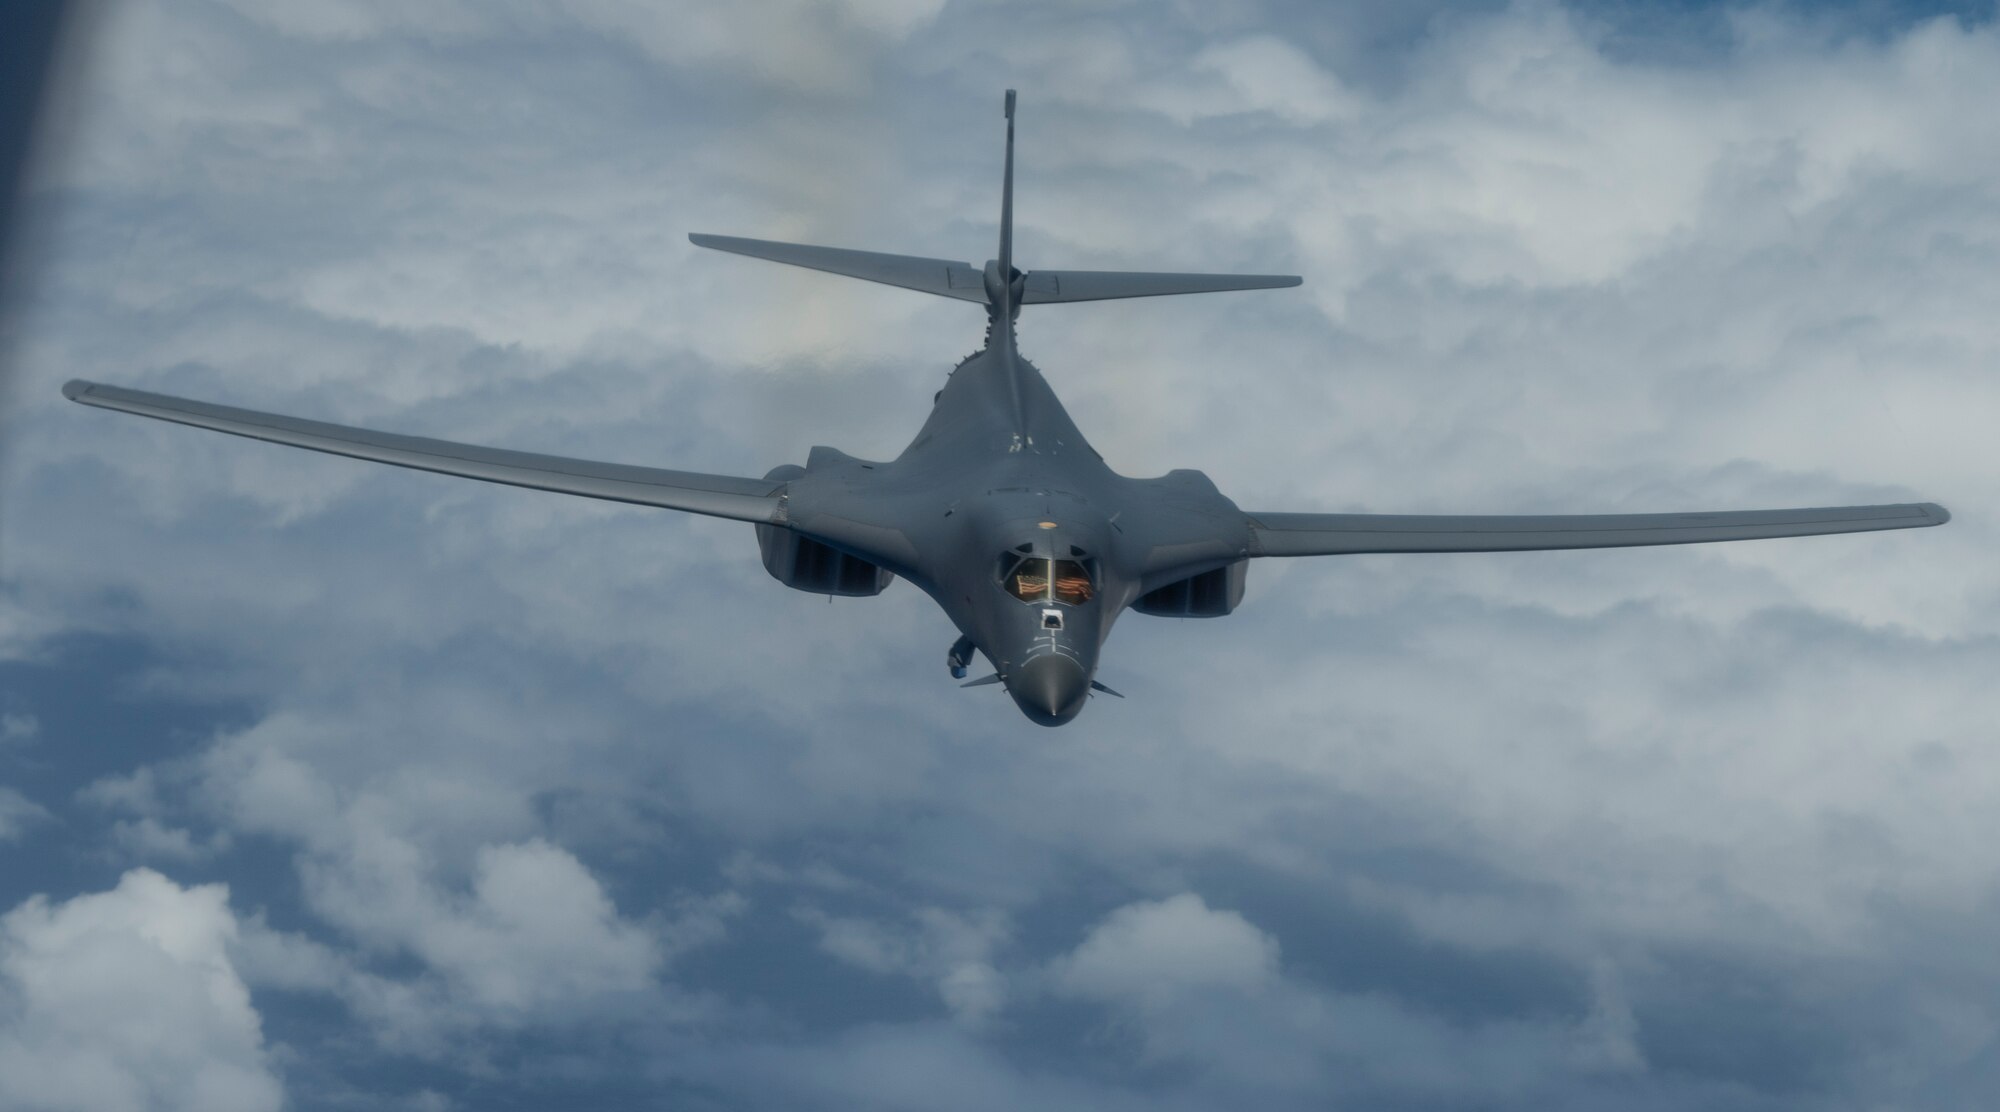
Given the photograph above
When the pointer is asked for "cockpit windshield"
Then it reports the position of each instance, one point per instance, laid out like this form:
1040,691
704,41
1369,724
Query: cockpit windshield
1038,579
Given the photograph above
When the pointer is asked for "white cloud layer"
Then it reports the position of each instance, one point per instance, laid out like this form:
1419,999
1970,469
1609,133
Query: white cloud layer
127,999
509,932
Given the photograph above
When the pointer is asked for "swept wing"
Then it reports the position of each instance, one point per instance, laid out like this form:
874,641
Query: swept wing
1281,534
757,500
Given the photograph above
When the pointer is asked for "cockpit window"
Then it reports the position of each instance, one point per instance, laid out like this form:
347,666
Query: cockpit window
1029,581
1072,582
1036,579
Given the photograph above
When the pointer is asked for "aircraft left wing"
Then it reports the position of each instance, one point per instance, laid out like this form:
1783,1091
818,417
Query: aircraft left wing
758,500
1277,534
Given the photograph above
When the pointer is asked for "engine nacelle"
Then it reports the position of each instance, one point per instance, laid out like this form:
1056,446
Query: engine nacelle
1208,595
807,565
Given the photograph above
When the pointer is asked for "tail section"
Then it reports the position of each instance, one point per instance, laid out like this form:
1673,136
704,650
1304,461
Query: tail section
998,285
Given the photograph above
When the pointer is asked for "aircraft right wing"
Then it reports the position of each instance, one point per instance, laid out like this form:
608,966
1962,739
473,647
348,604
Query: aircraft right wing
1279,534
759,500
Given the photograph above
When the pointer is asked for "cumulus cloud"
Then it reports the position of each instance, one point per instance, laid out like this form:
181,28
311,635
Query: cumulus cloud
538,927
1201,990
149,834
128,999
1147,952
534,946
528,935
149,838
1201,987
952,952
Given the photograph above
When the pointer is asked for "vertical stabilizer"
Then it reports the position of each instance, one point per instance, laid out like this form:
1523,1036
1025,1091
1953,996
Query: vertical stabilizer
1007,202
1002,291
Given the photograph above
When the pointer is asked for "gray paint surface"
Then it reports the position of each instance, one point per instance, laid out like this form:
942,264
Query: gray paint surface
1000,471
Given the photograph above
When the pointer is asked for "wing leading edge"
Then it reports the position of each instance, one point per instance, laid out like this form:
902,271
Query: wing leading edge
756,500
1278,534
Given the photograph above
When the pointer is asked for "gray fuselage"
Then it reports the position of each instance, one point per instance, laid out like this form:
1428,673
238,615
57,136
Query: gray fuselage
1000,471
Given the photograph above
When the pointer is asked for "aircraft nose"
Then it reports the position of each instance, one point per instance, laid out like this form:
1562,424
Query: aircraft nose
1049,689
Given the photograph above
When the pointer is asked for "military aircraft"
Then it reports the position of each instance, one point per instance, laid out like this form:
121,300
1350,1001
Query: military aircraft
999,509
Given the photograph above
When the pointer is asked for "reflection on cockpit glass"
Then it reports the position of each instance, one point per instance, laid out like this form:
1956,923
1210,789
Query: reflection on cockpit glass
1072,582
1033,579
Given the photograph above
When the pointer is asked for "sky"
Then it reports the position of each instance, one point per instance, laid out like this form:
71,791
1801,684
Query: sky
327,785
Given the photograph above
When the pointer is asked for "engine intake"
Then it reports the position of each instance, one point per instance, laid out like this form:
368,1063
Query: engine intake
1210,594
805,564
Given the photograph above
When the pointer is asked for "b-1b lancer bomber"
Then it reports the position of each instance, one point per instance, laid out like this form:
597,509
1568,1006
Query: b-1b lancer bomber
999,510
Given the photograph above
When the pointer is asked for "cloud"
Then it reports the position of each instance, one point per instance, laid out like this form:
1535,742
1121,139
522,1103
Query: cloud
1147,952
19,729
529,935
786,45
535,946
148,836
950,951
822,46
539,928
910,1067
150,839
1201,991
1201,987
17,813
127,999
1255,74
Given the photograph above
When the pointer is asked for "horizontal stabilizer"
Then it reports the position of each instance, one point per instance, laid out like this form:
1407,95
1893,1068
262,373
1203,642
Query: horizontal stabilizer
1045,287
939,276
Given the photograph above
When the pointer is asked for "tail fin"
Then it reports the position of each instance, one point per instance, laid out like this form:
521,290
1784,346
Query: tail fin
969,283
1006,259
